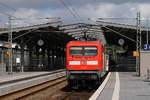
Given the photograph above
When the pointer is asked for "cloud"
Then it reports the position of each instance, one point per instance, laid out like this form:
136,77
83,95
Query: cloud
36,4
54,4
111,10
85,8
31,16
26,13
144,9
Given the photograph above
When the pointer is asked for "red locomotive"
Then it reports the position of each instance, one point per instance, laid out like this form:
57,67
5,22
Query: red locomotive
86,62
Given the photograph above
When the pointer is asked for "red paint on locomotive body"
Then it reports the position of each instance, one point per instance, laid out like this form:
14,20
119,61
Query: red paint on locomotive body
84,56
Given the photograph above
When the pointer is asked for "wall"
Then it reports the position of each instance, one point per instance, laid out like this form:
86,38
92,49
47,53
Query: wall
144,63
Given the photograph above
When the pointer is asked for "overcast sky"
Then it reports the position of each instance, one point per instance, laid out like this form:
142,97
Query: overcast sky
85,8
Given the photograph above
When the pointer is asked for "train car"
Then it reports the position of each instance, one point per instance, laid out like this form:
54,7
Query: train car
86,62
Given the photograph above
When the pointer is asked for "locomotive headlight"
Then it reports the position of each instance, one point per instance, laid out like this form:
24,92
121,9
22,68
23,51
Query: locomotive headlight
74,62
92,62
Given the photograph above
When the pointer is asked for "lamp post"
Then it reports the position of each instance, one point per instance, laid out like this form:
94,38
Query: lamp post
10,45
138,43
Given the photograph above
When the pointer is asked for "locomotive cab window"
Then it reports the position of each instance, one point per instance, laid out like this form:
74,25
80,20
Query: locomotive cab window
83,51
76,51
90,51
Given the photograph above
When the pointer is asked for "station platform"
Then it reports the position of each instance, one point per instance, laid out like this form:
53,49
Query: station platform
124,86
16,76
9,77
13,82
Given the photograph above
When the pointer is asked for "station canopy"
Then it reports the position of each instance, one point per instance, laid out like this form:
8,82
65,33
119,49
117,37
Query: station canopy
107,32
113,32
48,32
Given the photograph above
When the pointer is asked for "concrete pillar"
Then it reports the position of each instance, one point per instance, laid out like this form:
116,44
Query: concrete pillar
43,60
53,58
2,65
57,57
61,56
48,59
37,61
30,58
22,45
64,56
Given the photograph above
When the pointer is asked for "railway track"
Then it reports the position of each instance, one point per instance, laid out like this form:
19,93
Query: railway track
78,95
30,93
66,93
56,89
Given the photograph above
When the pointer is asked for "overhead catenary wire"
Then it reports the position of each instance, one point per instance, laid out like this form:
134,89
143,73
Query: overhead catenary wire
5,5
24,34
11,17
120,34
73,9
14,17
71,12
88,28
79,17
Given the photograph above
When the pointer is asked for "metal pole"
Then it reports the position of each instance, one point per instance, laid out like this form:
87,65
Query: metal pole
10,42
140,32
139,20
137,43
147,32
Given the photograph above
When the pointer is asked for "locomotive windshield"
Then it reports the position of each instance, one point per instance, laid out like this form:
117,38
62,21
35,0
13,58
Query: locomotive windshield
83,51
76,51
90,51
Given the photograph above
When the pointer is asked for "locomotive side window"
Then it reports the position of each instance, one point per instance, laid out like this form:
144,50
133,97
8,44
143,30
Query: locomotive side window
90,51
83,51
76,51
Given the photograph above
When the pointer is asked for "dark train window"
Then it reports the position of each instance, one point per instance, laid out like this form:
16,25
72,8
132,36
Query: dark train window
76,51
83,51
90,51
